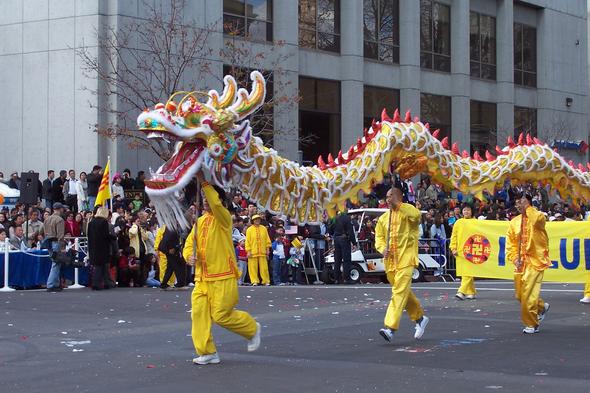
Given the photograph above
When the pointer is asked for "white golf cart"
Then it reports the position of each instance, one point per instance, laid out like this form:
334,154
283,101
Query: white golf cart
366,261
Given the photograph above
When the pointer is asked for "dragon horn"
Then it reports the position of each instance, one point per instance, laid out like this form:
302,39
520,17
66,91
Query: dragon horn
489,156
455,148
510,142
385,116
408,118
229,94
476,156
529,140
248,103
321,163
331,162
427,126
445,142
396,117
521,139
436,133
464,154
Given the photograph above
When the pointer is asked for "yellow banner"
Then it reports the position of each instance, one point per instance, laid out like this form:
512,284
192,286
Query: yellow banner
481,247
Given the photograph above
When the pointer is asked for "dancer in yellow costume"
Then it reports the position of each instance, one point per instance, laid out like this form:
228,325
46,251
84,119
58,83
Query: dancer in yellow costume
216,289
162,261
467,288
586,298
527,245
257,246
396,237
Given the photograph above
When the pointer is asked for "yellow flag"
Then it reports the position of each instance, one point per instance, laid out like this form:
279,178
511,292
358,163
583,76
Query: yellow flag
104,191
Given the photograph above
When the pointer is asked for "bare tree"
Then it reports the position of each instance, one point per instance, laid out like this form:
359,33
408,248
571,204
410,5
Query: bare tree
143,61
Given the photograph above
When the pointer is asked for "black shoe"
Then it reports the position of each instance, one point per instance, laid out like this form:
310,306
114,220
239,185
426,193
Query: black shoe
56,289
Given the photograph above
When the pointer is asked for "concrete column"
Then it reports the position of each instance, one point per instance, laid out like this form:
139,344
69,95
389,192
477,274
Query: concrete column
505,70
409,57
460,115
351,49
286,117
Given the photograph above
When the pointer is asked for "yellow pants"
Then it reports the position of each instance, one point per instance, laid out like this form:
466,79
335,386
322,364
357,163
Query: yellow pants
163,263
587,290
527,290
214,301
402,298
256,264
467,286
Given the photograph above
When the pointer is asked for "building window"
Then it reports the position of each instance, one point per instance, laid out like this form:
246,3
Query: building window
484,134
525,120
248,18
482,45
436,110
319,118
435,36
375,100
381,30
262,121
319,24
525,55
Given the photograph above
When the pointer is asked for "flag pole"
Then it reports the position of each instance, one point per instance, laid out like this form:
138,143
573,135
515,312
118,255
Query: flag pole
110,189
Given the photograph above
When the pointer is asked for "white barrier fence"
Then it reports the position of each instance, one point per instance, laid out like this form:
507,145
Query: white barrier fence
80,245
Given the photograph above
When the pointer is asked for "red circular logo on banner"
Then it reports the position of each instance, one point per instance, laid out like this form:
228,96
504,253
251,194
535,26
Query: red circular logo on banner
477,249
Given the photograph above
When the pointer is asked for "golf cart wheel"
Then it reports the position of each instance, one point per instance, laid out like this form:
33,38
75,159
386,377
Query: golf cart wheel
354,276
418,274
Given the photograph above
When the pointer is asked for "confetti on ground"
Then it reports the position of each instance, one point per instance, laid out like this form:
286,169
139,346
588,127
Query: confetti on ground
120,321
541,374
74,343
77,350
150,366
335,313
478,310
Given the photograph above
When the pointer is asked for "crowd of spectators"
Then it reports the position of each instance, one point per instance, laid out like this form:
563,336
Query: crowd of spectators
135,256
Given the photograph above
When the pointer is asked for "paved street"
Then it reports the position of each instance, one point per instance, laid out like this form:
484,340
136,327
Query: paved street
315,339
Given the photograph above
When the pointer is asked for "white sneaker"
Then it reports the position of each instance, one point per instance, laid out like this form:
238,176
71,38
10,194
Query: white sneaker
470,297
544,313
460,296
254,342
421,327
207,359
387,334
585,300
530,330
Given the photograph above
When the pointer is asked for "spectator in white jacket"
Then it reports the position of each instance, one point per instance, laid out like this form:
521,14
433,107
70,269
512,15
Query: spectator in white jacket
82,192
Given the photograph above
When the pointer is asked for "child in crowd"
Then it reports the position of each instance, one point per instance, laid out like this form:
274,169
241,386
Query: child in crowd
152,273
137,203
278,259
128,269
295,261
242,257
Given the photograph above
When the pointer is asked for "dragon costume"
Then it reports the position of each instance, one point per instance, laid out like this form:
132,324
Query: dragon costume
215,136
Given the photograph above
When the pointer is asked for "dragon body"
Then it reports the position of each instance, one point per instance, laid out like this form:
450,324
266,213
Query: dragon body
215,137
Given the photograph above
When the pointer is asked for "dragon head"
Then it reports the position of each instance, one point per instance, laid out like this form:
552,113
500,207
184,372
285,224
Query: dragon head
210,135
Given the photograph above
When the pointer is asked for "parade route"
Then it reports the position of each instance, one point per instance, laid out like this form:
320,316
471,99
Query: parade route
314,339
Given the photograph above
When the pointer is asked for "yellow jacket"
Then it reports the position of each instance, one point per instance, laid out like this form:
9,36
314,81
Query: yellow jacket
216,257
159,236
534,248
134,239
403,241
257,241
453,246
